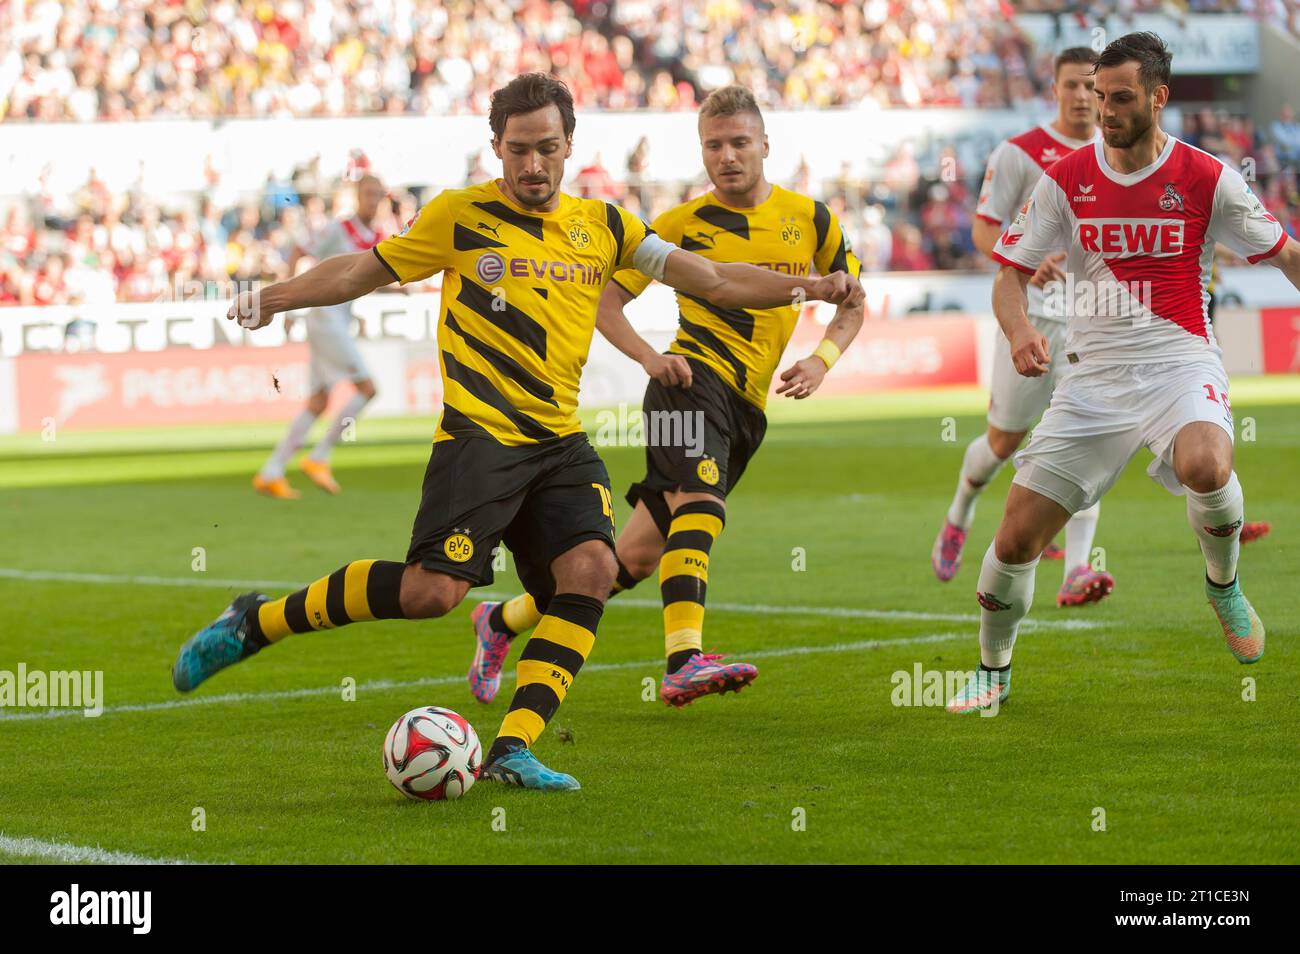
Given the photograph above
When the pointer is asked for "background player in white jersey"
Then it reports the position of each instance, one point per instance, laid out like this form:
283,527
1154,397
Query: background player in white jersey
334,356
1017,402
1140,212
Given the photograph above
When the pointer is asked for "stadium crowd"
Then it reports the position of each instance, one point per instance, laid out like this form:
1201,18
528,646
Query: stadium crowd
133,59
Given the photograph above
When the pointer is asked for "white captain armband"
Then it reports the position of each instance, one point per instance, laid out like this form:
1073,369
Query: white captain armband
651,256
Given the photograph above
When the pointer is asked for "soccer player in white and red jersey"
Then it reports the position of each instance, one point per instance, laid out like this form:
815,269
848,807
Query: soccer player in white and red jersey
1016,402
334,356
1140,213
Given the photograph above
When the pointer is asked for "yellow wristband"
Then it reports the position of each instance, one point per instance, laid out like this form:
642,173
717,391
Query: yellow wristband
828,352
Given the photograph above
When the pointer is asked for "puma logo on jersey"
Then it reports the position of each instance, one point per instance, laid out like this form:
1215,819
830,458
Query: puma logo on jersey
707,237
489,228
1128,237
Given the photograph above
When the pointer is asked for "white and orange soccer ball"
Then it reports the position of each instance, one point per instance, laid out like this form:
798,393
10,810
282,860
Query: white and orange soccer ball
433,754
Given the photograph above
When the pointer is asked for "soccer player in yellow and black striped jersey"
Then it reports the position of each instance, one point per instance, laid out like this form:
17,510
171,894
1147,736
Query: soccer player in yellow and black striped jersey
717,371
523,269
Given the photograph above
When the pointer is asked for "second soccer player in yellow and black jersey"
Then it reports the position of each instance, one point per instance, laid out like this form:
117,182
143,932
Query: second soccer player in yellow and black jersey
523,269
717,372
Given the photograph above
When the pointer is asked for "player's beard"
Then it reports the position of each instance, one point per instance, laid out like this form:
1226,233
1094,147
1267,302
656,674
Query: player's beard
1125,137
533,200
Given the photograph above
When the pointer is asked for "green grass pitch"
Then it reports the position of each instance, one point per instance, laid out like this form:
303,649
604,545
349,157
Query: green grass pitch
1139,712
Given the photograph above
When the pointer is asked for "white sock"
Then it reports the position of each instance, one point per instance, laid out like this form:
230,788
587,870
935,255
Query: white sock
978,467
1079,534
292,440
348,415
1010,585
1216,519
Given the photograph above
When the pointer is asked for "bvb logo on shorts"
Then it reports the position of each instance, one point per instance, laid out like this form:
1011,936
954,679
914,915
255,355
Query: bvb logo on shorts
578,236
707,471
459,548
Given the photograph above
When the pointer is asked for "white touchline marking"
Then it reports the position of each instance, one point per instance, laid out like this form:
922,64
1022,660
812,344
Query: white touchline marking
76,854
382,685
844,612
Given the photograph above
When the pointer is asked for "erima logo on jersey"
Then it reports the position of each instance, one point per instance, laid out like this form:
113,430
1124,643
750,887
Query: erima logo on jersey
1049,155
1124,238
1087,195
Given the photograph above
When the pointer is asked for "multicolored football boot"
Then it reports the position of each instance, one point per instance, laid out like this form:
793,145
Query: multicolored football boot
1085,585
1242,628
520,767
1254,530
220,644
945,557
983,691
490,650
703,674
1053,552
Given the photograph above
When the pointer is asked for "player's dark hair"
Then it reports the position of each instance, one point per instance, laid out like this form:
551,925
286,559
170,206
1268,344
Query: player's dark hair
1147,50
527,93
1082,55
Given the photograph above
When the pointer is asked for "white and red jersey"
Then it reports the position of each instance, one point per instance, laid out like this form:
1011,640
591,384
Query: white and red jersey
1140,248
1013,170
341,237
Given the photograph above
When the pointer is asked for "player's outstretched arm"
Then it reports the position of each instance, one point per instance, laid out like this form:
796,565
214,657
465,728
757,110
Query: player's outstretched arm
1029,349
1288,260
738,285
338,279
670,370
805,376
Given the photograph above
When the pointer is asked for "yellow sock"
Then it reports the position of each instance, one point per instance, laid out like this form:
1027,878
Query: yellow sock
684,575
361,591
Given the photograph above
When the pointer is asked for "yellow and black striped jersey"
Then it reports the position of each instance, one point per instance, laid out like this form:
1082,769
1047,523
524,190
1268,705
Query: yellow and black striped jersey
519,295
788,233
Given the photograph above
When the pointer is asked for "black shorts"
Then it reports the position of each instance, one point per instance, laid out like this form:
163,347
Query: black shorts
732,429
540,500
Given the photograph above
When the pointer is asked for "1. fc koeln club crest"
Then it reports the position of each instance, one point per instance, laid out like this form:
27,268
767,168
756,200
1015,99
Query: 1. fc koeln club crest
1171,199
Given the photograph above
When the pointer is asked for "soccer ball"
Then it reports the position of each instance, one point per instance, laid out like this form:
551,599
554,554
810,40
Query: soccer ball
432,753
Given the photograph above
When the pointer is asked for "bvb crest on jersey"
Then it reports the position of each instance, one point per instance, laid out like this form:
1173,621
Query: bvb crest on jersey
578,235
790,231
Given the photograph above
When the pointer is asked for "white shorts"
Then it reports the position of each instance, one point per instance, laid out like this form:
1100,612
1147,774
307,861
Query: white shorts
334,354
1101,414
1016,401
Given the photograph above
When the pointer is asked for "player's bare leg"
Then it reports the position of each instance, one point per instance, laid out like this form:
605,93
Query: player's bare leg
555,652
270,480
1215,510
983,459
496,624
1006,591
316,465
